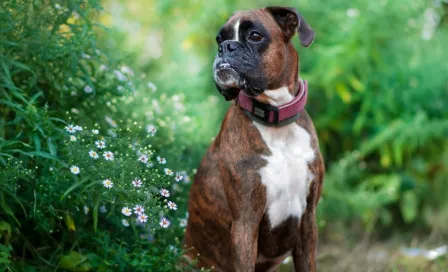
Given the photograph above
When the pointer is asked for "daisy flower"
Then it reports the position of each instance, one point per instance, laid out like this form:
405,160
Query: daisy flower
137,183
70,128
126,211
108,183
103,67
103,209
142,218
172,205
78,128
143,158
86,210
88,89
138,209
183,223
109,156
168,172
151,129
93,154
57,6
125,222
75,169
100,144
95,131
72,138
161,160
164,222
165,192
179,177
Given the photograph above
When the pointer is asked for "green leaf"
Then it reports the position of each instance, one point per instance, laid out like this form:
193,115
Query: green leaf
74,186
5,228
95,212
74,261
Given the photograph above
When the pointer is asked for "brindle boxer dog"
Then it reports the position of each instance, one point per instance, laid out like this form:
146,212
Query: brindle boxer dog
253,201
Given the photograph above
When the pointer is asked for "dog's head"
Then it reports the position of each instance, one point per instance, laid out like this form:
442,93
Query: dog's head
255,52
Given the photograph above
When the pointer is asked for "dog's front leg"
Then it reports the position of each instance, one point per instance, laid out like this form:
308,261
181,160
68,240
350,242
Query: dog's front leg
244,245
246,198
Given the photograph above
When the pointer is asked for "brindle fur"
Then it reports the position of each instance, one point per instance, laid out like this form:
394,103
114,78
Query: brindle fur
228,228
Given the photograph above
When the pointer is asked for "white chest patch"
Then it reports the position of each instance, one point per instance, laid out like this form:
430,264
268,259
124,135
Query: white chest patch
286,176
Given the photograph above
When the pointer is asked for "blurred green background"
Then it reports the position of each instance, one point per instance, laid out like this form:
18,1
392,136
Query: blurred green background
378,96
378,76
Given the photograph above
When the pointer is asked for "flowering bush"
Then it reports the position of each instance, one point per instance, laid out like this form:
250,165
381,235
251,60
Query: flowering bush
86,183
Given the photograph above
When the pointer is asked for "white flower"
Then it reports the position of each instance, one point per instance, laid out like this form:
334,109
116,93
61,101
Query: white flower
120,88
93,154
183,223
168,172
109,156
103,209
127,70
70,128
151,129
143,218
161,160
152,87
179,177
75,169
173,249
51,169
172,205
165,192
120,76
95,131
100,144
125,222
164,223
78,128
143,158
103,67
137,183
138,209
108,183
88,89
57,6
86,210
126,211
72,138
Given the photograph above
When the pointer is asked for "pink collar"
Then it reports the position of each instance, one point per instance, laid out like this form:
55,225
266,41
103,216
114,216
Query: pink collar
274,116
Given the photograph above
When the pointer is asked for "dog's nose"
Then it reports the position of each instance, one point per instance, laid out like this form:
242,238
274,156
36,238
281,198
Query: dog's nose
228,46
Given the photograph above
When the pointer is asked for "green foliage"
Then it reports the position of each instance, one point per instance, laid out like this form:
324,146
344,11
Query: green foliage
65,201
378,99
377,95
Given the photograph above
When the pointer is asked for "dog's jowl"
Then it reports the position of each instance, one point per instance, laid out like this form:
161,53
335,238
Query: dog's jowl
254,197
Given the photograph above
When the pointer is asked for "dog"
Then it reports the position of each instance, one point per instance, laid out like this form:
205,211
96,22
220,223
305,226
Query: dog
253,200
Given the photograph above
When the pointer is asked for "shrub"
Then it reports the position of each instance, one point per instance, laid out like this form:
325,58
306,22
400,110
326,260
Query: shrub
75,162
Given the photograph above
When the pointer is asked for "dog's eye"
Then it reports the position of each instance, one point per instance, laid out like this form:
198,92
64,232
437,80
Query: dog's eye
218,40
255,36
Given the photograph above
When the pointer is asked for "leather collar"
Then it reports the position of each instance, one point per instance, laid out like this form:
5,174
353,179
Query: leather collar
274,116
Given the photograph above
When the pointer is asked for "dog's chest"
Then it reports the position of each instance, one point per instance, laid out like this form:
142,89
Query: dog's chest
286,176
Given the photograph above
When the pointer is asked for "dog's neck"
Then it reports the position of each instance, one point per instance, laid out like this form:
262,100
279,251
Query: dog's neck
280,96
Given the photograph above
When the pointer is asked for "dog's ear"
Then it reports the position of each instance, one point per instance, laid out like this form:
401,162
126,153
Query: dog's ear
291,21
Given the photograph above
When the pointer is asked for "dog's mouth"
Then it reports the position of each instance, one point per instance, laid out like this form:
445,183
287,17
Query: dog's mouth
230,82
